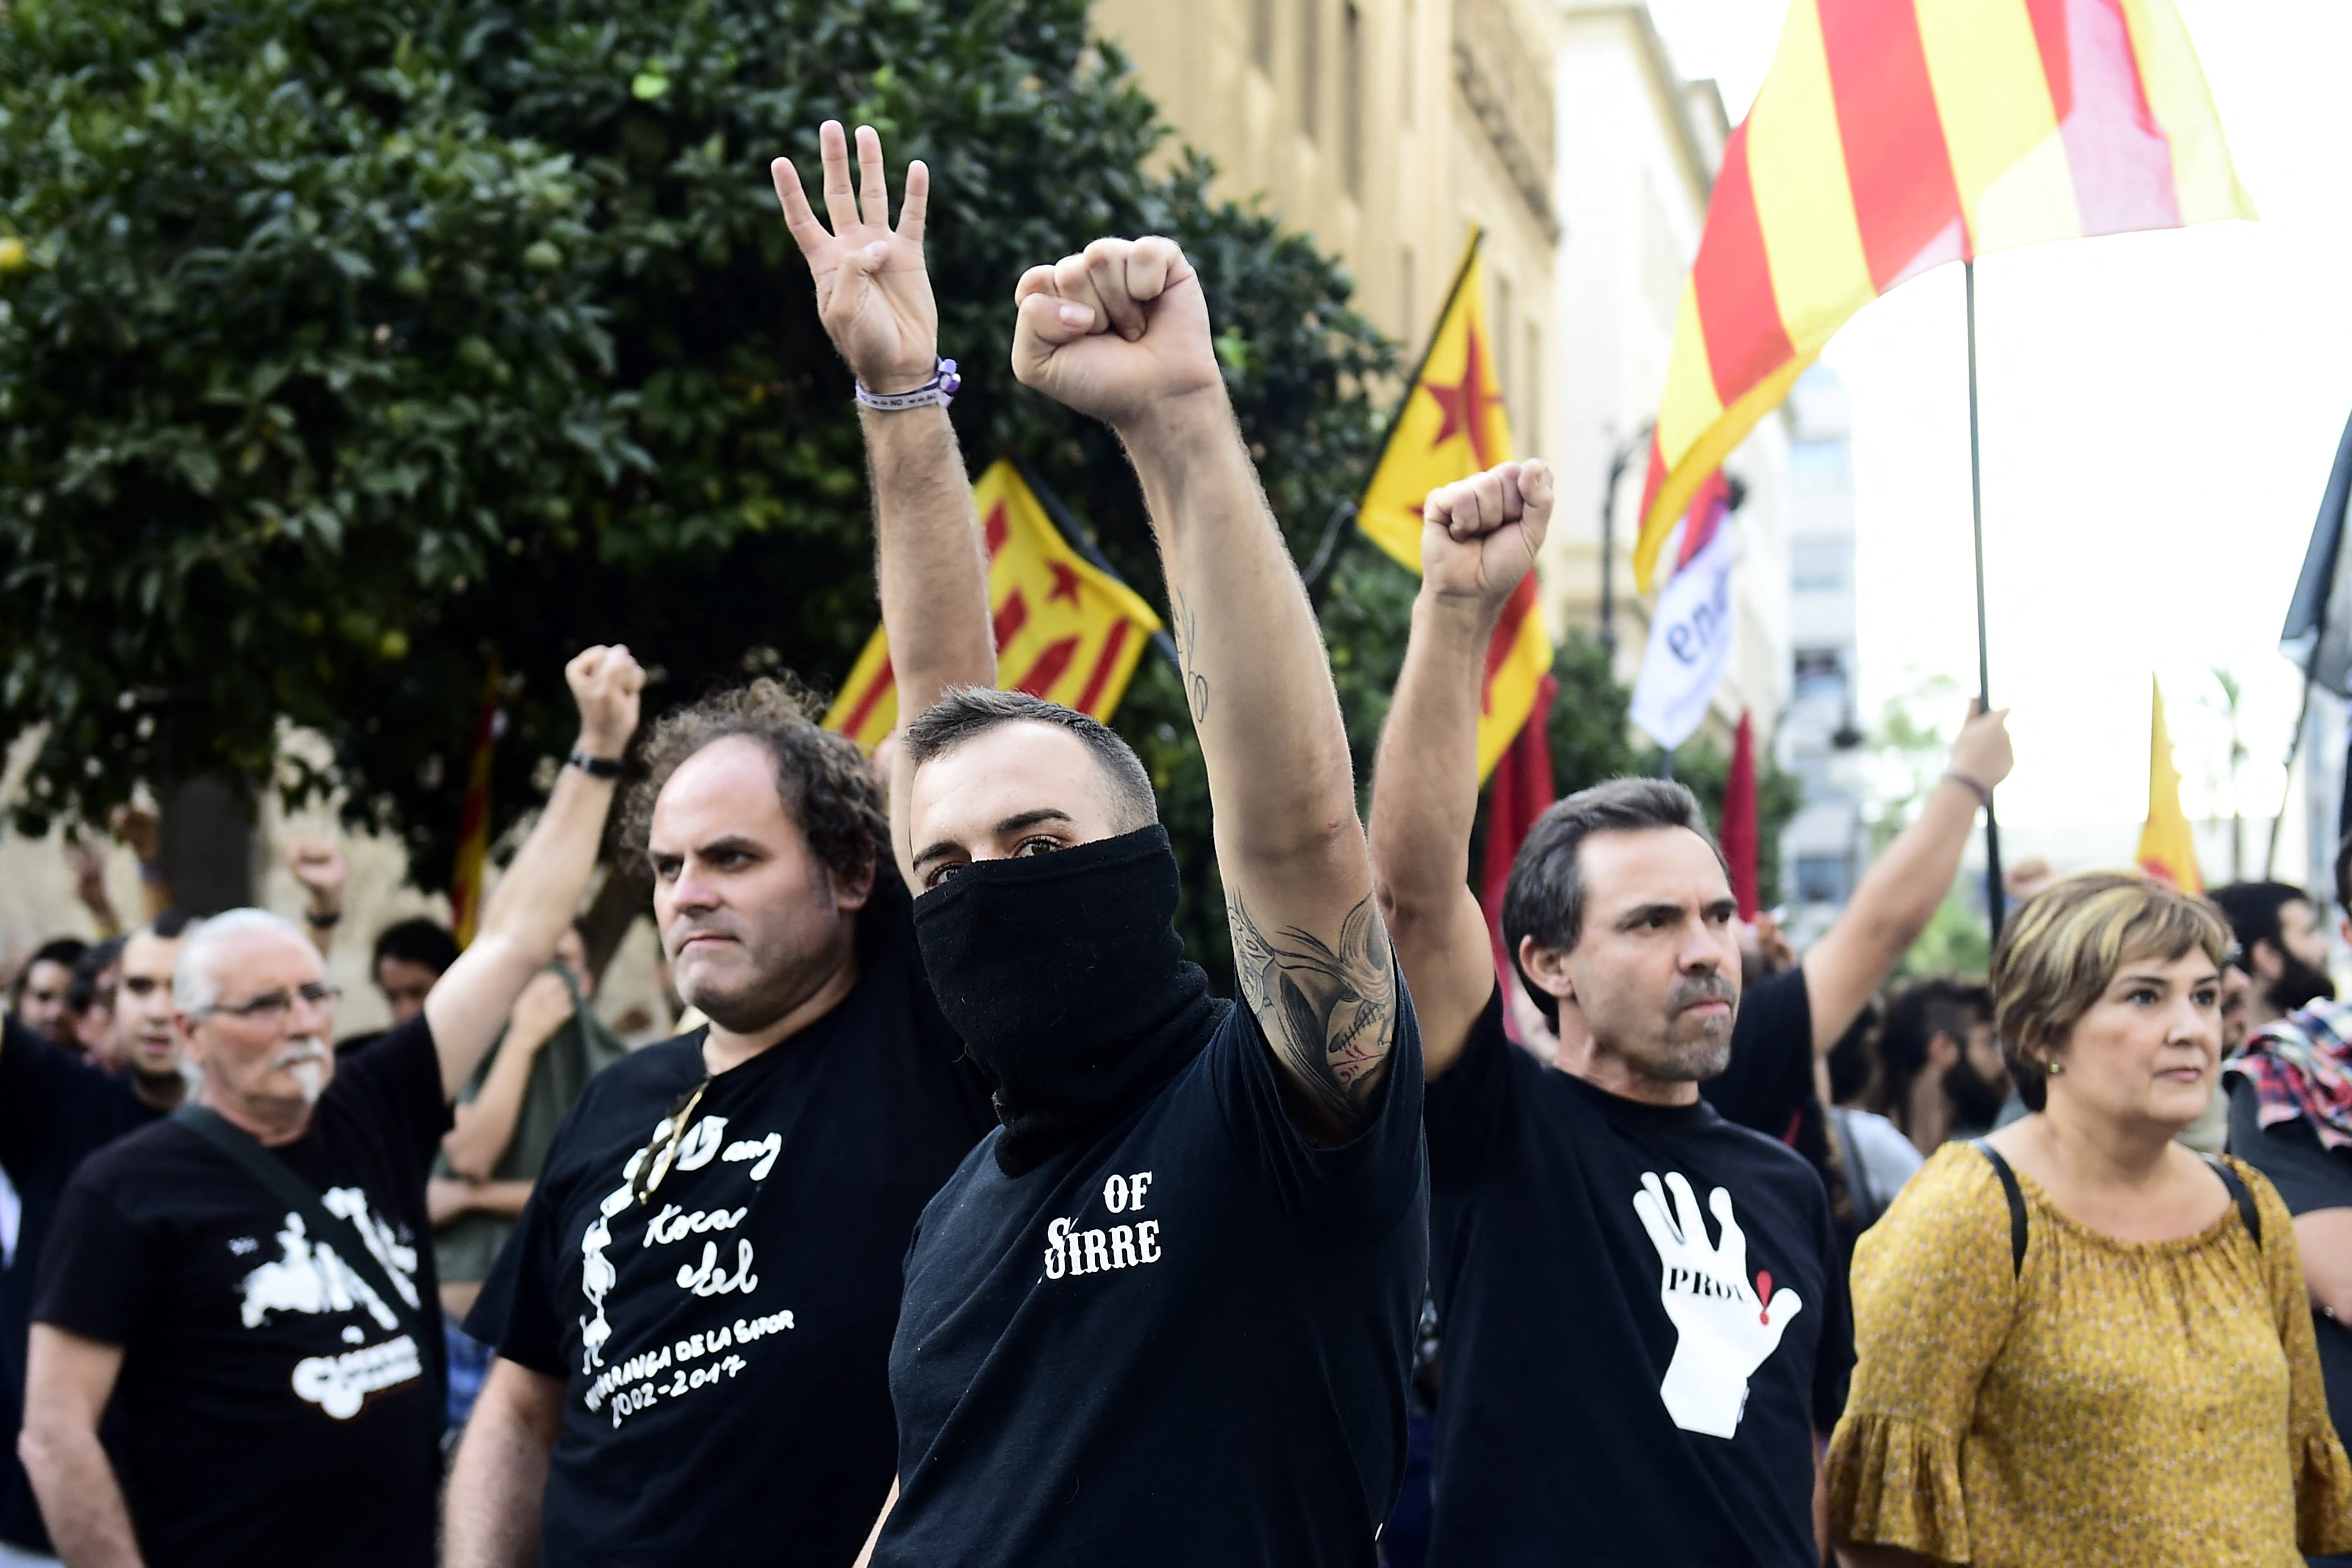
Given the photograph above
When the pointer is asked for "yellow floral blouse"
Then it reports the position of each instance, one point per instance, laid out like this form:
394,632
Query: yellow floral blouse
2118,1405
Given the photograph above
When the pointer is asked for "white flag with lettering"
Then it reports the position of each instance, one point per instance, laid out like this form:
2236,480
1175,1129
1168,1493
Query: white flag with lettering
1690,643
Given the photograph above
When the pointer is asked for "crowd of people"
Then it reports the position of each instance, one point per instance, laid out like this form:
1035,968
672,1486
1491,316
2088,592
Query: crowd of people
966,1226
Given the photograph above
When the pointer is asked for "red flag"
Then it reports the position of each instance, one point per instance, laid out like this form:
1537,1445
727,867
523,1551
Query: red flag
1519,793
1737,835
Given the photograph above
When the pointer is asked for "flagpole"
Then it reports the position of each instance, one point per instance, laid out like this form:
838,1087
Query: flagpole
1996,902
1075,537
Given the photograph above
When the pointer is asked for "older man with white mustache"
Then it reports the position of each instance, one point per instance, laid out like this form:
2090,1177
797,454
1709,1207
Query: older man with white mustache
251,1280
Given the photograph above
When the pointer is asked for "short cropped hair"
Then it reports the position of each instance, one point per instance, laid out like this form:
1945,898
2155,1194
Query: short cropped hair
422,942
1918,1013
828,787
965,713
196,983
1545,896
2060,951
2255,910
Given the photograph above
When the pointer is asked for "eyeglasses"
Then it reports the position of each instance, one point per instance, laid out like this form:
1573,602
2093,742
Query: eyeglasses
274,1007
653,1160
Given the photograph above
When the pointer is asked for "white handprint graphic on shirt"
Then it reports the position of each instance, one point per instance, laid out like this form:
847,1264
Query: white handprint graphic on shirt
1726,1330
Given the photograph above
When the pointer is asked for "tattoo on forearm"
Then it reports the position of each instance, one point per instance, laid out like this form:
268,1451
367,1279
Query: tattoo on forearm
1187,632
1330,1013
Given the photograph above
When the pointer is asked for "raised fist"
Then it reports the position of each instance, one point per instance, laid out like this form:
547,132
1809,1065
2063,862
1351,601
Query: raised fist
1116,330
1479,536
1724,1328
873,292
1982,752
318,866
605,683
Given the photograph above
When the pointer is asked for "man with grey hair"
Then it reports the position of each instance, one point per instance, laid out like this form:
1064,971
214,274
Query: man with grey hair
56,1109
1572,1259
249,1279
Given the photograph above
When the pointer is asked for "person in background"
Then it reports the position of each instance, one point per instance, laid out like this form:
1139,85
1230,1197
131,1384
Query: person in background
410,957
1878,1159
1940,1072
89,1000
506,1122
274,1352
2284,944
2290,1107
1788,1019
57,1110
37,999
2079,1342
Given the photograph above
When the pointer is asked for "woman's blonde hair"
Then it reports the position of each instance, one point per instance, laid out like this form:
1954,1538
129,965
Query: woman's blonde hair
2059,952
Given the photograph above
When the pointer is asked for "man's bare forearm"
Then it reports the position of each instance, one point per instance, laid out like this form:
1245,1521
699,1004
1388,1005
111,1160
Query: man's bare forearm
1255,671
499,1484
1425,785
932,570
81,1500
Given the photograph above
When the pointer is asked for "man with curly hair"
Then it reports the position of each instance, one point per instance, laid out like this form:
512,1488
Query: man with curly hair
693,1320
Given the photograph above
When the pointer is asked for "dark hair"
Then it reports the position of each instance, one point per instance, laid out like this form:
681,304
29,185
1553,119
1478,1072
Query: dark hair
826,785
965,712
172,924
419,941
2254,908
2344,874
1854,1056
65,951
1544,897
1943,1005
95,960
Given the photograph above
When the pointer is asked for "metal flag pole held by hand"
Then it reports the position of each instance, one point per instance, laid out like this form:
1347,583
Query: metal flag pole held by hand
1995,899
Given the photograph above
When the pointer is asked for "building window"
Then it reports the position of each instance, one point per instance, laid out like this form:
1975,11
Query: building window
1531,378
1352,99
1261,35
1820,566
1822,459
1499,330
1310,66
1820,879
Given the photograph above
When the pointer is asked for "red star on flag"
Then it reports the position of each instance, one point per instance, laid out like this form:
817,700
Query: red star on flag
1465,402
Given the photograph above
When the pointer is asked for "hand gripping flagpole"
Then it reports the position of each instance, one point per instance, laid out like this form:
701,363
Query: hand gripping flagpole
1995,898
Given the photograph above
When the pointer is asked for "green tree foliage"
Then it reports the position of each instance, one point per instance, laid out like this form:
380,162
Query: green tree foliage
1589,740
344,347
1705,767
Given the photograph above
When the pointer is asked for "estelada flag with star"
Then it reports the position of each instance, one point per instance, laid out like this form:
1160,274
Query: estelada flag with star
1066,630
1452,425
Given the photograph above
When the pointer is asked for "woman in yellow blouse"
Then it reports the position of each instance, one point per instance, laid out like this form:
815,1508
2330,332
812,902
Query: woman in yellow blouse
2079,1344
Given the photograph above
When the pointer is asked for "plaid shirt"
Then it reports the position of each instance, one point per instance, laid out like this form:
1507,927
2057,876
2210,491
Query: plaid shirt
2302,1066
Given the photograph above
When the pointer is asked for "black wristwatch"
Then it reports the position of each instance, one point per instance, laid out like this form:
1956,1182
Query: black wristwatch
595,766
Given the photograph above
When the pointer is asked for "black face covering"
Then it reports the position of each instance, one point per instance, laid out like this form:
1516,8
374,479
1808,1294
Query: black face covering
1066,977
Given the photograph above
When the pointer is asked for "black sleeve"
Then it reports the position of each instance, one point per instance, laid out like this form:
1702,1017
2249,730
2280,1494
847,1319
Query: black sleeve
2308,1174
1356,1189
398,1078
32,1081
96,1268
886,943
515,1313
1771,1072
1466,1108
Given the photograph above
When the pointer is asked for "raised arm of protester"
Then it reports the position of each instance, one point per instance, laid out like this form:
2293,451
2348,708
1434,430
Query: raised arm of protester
873,294
1479,537
1121,332
319,867
1898,895
540,892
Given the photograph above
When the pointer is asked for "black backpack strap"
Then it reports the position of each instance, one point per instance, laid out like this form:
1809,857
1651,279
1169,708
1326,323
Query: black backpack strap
2249,1213
325,1224
2016,1195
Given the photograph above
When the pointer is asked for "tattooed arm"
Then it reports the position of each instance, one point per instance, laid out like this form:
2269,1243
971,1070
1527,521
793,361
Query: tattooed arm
1122,332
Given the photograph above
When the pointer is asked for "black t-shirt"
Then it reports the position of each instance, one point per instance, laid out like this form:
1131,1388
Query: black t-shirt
725,1343
55,1109
1769,1082
273,1410
1614,1394
2309,1177
1183,1343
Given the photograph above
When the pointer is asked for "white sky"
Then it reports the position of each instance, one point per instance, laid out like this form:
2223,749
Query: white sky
2159,412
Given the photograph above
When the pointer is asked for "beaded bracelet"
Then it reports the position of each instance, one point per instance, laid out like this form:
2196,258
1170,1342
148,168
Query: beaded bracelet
941,390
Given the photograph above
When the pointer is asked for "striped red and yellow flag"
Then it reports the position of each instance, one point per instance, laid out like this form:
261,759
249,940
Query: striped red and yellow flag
474,816
1454,424
1065,630
1892,135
